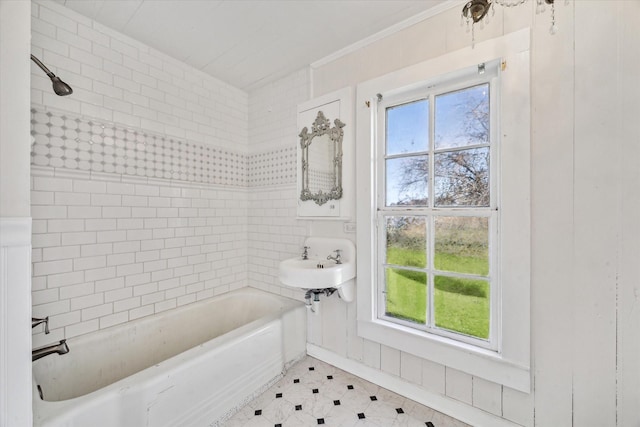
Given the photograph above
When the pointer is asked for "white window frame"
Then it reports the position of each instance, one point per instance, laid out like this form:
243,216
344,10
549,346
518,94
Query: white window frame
507,359
432,89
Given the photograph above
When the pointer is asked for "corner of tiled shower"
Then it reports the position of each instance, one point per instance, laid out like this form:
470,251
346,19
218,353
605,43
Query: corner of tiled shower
145,197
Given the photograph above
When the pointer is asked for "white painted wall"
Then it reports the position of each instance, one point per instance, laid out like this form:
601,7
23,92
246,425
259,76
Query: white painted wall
15,224
14,121
628,268
605,347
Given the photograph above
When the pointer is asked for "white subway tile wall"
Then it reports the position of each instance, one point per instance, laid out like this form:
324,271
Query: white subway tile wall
274,234
129,258
274,231
273,112
129,222
118,79
139,202
125,224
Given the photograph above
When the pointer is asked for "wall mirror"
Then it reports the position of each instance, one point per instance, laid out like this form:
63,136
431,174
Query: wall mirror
325,149
321,160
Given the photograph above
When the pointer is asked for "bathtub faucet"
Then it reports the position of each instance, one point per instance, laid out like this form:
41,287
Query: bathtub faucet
35,321
60,348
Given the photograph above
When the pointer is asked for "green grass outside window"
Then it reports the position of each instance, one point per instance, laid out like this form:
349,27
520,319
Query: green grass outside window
461,305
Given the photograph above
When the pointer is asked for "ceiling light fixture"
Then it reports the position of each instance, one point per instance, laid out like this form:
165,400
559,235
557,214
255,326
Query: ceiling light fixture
477,11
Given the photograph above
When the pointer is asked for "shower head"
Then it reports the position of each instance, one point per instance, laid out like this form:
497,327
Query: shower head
59,87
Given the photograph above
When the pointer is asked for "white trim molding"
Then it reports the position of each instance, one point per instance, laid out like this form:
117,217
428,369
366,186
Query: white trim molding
15,232
15,333
509,364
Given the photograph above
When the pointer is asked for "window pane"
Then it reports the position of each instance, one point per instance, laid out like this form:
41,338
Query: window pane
406,296
462,245
407,179
462,178
462,117
462,305
407,241
408,127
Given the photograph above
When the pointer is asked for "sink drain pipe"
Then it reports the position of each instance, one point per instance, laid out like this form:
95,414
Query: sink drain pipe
314,306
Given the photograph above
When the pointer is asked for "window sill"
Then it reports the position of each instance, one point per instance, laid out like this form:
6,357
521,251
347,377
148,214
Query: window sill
473,360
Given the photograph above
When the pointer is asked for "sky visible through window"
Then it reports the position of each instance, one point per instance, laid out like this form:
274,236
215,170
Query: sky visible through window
408,128
461,119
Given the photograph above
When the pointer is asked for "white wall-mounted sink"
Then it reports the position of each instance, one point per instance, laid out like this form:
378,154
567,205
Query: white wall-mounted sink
317,272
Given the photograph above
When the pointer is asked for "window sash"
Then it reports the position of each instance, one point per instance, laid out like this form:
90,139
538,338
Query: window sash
431,211
491,343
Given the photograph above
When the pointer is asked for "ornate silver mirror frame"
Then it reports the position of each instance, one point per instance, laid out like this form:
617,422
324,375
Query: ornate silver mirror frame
322,173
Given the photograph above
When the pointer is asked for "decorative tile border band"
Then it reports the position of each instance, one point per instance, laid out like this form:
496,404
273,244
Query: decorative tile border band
273,168
64,140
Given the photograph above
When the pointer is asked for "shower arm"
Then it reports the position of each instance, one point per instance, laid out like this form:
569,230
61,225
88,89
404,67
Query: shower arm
42,66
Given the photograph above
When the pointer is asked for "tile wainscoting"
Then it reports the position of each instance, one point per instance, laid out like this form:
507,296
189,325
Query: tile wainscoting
128,223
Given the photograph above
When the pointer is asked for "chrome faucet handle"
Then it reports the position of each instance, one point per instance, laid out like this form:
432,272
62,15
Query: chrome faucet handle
337,257
305,254
35,321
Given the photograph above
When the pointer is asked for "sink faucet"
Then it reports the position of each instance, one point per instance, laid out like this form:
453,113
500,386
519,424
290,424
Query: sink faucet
60,348
35,321
305,254
337,257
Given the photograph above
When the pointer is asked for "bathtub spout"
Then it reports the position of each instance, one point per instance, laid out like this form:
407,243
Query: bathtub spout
60,348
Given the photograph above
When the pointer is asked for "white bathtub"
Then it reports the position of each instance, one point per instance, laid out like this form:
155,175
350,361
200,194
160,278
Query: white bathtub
190,366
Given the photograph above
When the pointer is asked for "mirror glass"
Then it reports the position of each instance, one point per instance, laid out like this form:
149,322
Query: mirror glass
322,160
322,176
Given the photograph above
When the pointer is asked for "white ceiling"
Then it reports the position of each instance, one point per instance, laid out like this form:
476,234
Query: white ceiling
249,43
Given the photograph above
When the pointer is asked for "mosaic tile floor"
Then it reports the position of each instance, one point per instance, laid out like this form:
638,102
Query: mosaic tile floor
315,393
